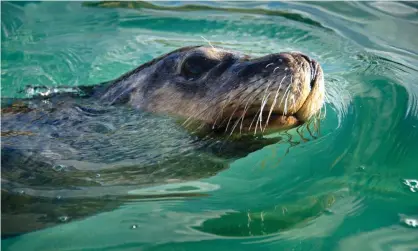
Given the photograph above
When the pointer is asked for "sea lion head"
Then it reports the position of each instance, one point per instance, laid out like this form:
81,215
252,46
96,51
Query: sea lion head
227,90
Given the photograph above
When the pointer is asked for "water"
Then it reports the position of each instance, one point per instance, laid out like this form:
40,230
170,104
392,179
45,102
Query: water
355,187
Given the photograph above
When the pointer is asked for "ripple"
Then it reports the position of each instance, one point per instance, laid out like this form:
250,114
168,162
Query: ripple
146,5
380,239
143,170
395,9
178,188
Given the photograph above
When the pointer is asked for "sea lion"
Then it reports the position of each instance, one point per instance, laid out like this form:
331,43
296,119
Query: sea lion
61,140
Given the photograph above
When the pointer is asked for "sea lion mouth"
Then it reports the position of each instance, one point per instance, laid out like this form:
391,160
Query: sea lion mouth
254,122
252,119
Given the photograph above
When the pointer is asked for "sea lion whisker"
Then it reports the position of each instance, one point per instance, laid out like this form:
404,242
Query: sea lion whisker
254,119
221,113
261,110
228,102
316,125
258,120
294,101
250,98
267,120
217,101
264,100
326,96
274,101
242,115
210,107
285,103
286,91
228,99
259,114
299,130
237,122
319,113
230,117
241,100
319,127
265,97
309,130
254,97
246,109
208,42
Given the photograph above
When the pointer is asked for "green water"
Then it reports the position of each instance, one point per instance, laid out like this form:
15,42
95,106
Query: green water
353,188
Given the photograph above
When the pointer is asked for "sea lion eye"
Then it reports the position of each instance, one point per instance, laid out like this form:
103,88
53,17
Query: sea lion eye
196,65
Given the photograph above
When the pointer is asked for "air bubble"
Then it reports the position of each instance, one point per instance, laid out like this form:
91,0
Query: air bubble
59,168
134,226
411,222
63,218
328,211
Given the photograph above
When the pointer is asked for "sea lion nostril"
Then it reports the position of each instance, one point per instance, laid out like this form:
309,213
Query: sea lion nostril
306,58
314,71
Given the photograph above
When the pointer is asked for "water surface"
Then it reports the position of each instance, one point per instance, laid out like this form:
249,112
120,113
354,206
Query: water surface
354,187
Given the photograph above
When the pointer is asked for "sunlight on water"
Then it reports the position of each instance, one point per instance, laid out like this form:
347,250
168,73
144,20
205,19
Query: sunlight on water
412,184
88,177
